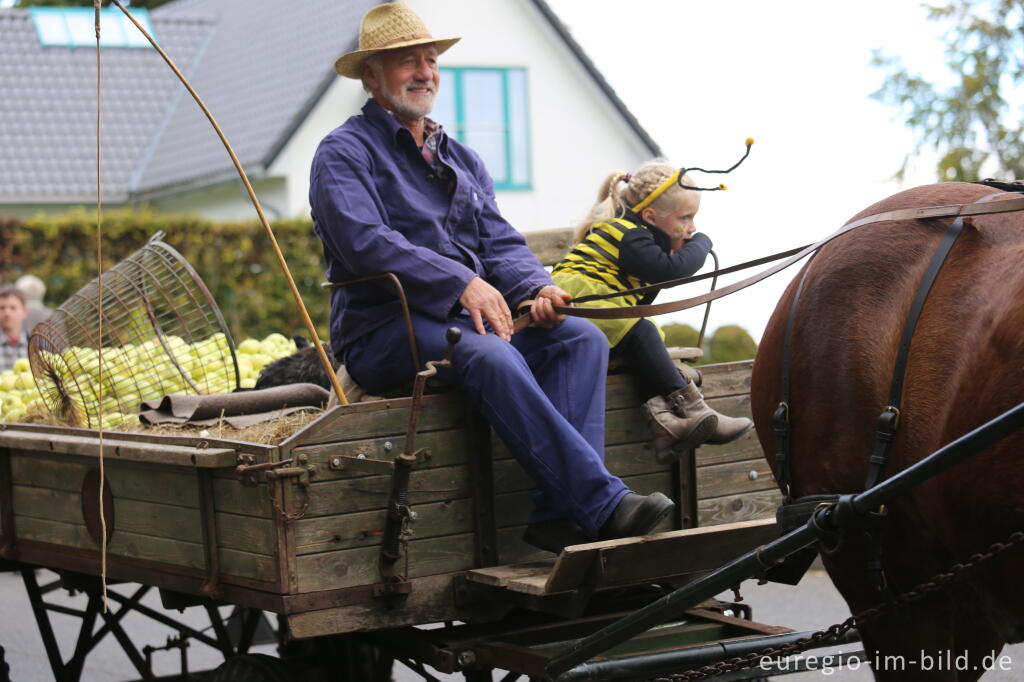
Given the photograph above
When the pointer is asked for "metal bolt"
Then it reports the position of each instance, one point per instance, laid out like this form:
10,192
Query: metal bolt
388,446
752,475
466,659
413,516
336,462
360,456
728,612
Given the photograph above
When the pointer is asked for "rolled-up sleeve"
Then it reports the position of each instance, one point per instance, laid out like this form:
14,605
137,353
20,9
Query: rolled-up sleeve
351,219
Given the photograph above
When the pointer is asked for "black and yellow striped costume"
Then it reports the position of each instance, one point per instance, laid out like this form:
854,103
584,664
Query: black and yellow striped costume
593,267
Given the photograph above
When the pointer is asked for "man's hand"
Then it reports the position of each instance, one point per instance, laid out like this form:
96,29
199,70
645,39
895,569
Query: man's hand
543,310
484,302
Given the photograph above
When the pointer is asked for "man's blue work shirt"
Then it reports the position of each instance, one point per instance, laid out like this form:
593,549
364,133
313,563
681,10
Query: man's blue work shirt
378,206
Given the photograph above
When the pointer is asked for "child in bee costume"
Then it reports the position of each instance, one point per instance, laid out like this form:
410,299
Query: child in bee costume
641,231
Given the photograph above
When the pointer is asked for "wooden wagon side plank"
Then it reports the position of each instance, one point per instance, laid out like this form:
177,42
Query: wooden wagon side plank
360,421
735,477
362,529
348,568
733,508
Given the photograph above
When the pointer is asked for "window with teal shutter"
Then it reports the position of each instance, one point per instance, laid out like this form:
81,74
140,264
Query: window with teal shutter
487,109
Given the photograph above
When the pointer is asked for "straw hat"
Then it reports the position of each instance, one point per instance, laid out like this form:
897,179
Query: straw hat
388,27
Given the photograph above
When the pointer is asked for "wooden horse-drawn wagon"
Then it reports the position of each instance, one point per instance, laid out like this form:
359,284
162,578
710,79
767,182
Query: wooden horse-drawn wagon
358,523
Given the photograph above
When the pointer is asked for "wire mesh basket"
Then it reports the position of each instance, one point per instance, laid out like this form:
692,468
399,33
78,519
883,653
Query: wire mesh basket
162,333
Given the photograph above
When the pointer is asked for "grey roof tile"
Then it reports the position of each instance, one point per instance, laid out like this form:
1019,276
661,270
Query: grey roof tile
48,140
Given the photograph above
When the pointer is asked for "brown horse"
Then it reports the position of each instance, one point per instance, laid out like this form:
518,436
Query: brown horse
966,366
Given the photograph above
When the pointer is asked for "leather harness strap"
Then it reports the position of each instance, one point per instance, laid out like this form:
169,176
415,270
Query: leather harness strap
780,418
888,421
921,213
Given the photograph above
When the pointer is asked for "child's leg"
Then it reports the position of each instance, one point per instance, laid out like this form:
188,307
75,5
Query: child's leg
658,380
643,348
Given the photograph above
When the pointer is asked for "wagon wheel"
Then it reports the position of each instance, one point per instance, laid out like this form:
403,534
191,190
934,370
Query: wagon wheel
252,668
339,658
231,637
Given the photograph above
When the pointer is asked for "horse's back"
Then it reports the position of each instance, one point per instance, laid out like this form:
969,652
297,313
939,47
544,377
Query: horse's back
967,354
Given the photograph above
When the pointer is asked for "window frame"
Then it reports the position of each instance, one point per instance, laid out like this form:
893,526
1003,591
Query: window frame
452,76
130,38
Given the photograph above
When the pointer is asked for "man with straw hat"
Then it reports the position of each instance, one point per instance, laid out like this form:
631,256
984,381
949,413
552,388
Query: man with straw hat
390,191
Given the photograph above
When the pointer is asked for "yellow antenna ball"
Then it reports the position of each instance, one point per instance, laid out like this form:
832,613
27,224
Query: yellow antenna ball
722,187
750,141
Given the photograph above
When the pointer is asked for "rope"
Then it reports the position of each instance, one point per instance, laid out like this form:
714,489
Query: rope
99,288
324,360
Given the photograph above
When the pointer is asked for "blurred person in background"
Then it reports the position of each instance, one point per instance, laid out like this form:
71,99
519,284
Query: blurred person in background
33,288
14,340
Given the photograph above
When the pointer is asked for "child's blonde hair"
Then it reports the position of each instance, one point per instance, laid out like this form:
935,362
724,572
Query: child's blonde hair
613,202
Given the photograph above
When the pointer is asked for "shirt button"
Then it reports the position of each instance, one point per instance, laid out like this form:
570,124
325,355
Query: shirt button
431,177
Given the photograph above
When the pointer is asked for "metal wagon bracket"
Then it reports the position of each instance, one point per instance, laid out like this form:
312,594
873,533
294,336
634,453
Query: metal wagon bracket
399,518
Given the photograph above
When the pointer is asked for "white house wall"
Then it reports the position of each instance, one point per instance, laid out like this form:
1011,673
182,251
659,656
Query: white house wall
577,137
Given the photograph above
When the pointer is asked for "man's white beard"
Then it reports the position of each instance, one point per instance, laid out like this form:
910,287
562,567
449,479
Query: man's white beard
405,106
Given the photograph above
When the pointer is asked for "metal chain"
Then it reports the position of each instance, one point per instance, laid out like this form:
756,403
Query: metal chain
835,631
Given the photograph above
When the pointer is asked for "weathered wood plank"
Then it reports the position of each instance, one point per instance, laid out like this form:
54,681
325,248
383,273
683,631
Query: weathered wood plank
163,550
158,520
47,504
734,478
248,565
677,552
114,449
746,447
130,545
245,533
727,378
501,576
146,482
376,419
371,492
231,497
55,532
447,448
330,533
733,508
347,568
550,245
130,516
430,601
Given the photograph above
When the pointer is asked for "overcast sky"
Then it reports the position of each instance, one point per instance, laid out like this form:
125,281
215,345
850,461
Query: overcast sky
796,76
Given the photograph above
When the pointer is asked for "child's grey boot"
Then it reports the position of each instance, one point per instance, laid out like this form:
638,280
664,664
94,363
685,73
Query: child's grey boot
688,402
674,434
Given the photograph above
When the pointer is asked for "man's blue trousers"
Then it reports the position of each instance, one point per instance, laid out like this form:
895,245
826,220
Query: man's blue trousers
543,394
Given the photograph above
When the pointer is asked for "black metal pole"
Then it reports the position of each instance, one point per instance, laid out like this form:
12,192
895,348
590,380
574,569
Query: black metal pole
754,562
666,662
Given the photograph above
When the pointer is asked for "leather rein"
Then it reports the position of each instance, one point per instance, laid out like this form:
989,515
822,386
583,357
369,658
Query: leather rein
791,256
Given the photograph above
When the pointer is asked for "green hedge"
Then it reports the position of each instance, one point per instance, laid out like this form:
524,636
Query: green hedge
235,260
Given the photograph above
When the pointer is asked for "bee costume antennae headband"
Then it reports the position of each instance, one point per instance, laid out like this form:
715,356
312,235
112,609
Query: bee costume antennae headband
677,177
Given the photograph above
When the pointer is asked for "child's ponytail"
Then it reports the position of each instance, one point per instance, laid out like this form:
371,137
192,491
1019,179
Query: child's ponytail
609,204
